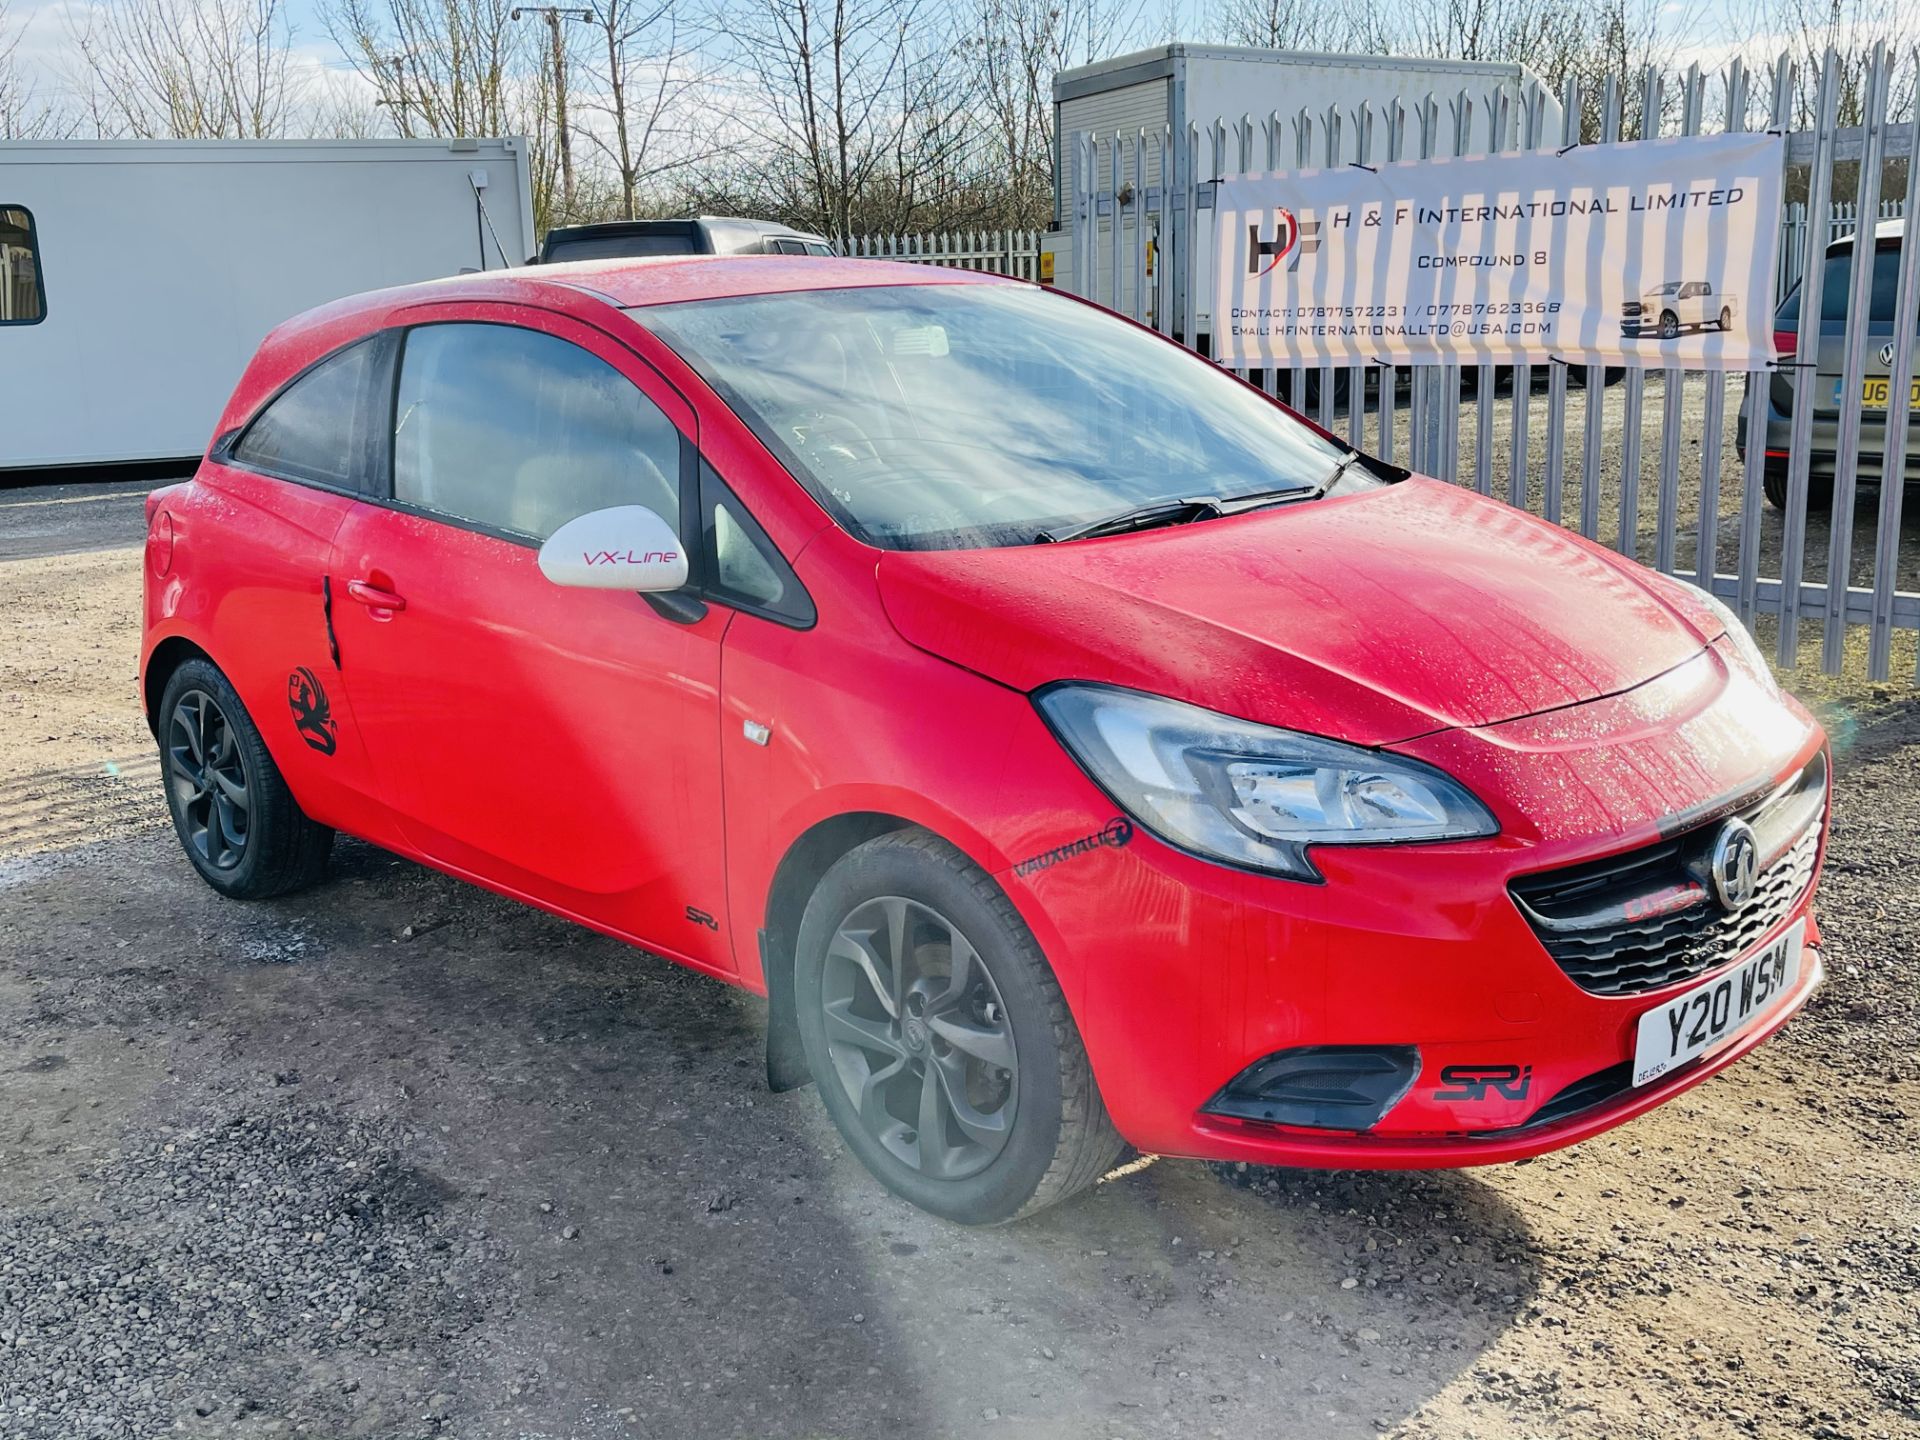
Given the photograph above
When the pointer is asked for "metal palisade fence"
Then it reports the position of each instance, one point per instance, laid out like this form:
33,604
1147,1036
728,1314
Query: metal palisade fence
1005,252
1652,462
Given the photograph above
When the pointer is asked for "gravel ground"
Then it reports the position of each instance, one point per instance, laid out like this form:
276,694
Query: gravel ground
397,1158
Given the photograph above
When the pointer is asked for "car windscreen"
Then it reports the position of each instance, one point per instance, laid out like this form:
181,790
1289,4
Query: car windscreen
962,416
624,247
1836,290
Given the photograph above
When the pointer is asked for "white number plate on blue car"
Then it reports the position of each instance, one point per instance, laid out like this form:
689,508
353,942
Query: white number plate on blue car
1717,1009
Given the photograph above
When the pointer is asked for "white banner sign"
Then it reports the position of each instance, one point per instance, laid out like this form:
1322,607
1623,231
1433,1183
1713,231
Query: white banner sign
1657,252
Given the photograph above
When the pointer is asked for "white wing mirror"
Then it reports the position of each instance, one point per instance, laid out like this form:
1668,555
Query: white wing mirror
627,547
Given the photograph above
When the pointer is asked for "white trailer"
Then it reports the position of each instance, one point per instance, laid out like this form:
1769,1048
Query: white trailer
138,277
1173,86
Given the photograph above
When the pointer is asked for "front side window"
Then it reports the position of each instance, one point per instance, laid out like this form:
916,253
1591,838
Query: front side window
958,416
746,570
23,294
311,430
519,431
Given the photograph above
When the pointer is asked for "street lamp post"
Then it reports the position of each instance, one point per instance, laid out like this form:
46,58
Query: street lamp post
554,14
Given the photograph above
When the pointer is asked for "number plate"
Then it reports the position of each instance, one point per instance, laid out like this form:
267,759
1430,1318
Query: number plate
1719,1009
1877,390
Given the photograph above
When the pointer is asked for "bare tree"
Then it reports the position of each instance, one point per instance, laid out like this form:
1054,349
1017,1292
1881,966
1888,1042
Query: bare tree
1806,29
1014,48
1288,25
439,67
660,110
22,116
1547,36
187,69
856,108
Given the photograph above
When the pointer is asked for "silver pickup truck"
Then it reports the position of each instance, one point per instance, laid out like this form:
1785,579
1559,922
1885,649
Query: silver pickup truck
1678,305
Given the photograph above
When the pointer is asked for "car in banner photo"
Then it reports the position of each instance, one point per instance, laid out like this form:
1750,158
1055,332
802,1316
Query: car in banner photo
1077,748
1666,310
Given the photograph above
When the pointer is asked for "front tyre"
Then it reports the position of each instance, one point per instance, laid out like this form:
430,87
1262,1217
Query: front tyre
939,1038
236,819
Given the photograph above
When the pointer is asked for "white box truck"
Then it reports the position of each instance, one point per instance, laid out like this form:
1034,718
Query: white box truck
138,277
1177,85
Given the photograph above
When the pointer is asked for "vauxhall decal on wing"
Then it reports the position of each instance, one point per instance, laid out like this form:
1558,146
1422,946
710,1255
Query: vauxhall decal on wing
1653,253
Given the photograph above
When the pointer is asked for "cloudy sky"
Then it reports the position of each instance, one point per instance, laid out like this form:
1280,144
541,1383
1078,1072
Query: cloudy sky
1707,31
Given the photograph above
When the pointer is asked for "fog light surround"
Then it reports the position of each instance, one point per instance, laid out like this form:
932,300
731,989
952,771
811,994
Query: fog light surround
1321,1087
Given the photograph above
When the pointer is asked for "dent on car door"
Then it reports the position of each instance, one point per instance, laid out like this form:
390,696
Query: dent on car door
560,743
288,481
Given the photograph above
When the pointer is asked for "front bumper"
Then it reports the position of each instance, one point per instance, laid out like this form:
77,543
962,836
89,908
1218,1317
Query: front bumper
1186,973
1222,1139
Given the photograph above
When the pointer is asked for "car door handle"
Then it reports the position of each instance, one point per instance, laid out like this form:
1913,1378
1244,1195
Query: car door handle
374,598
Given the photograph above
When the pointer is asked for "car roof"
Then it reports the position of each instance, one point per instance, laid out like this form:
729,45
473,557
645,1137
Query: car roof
629,281
668,279
1885,231
578,287
625,283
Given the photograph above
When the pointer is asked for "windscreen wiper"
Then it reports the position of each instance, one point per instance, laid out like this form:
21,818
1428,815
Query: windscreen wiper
1199,507
1141,517
1236,504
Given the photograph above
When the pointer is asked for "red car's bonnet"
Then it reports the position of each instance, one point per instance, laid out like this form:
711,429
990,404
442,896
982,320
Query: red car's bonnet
1371,618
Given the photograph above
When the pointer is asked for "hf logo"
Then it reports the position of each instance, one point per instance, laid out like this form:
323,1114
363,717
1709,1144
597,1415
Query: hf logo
1292,238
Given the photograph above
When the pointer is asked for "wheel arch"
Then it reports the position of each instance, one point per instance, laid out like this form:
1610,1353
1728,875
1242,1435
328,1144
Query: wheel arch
813,852
166,657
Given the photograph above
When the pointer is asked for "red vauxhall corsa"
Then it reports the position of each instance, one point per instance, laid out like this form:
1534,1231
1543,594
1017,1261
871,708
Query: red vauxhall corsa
1076,747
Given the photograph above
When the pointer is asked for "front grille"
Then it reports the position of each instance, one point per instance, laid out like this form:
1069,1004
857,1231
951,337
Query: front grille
1639,921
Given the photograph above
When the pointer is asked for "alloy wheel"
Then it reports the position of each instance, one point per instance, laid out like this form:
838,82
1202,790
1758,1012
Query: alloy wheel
209,780
919,1037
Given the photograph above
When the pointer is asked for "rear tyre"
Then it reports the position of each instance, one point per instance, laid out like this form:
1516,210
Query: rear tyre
1773,482
236,819
1726,318
939,1038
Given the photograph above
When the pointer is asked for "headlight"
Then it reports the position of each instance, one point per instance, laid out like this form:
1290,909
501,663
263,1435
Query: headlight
1249,794
1738,634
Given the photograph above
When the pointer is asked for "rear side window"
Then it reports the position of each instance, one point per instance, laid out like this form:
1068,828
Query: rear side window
1836,289
23,295
517,431
312,429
